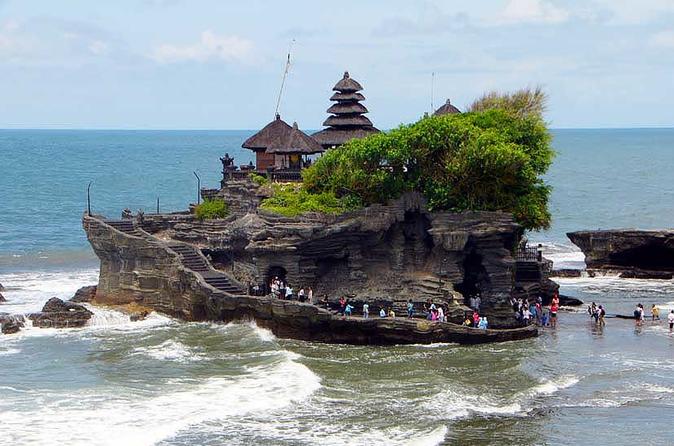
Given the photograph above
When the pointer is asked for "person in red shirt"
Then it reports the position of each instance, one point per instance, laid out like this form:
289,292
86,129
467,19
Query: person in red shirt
554,308
476,318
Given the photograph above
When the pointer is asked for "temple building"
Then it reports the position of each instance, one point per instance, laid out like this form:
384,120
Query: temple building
446,109
347,120
278,146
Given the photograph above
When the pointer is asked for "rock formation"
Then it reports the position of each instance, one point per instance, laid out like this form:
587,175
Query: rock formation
84,294
2,298
382,254
635,253
59,314
10,324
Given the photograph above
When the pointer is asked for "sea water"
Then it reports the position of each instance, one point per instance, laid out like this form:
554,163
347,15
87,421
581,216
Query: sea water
164,382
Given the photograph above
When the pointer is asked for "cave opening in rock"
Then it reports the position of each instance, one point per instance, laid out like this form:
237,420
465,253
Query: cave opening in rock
475,277
274,272
648,257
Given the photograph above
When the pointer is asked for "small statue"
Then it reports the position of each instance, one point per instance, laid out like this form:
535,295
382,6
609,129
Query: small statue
227,162
126,214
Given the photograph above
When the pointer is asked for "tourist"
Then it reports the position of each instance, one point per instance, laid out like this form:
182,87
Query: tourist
441,314
526,316
655,313
468,322
533,312
639,315
434,315
300,295
592,310
310,295
539,311
342,305
473,303
347,309
601,315
545,317
382,313
366,311
554,308
486,323
391,313
482,324
476,318
670,319
410,309
289,292
478,302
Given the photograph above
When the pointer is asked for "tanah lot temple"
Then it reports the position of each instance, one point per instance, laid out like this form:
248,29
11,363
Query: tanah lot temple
384,255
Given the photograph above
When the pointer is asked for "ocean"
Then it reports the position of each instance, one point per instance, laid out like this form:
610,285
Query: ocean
164,382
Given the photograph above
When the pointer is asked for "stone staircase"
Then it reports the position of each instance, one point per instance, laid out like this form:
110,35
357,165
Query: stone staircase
125,226
193,260
189,256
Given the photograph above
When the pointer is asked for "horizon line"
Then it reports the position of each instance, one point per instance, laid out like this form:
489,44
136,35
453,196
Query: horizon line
163,129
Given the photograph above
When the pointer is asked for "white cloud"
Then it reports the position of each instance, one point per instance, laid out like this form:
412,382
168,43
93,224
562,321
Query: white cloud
631,12
209,47
533,11
663,39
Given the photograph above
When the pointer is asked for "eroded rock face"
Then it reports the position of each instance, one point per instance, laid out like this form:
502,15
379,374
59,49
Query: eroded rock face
57,313
383,253
84,294
627,250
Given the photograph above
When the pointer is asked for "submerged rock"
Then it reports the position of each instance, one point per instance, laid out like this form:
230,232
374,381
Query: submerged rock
643,274
59,314
84,294
2,288
2,298
567,272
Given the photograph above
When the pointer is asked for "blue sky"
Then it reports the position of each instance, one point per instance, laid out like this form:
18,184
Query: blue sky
202,64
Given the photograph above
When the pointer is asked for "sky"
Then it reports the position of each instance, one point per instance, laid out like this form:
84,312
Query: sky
202,64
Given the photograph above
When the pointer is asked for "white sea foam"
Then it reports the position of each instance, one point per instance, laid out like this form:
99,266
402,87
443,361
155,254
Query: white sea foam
265,335
130,419
170,350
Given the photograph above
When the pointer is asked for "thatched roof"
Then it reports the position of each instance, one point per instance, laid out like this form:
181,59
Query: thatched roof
347,97
347,85
446,109
341,108
296,141
348,120
271,134
337,136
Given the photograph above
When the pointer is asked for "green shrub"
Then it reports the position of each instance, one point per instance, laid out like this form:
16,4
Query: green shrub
211,209
292,200
258,179
490,159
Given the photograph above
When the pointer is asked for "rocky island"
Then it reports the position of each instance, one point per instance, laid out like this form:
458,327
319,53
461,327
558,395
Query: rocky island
379,218
632,253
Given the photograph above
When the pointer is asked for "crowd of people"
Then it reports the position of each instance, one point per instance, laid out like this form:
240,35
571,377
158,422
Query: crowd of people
530,312
640,316
598,313
282,290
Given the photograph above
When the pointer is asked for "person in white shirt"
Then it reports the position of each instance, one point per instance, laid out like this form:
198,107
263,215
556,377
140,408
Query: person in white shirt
310,295
300,295
441,314
289,292
670,319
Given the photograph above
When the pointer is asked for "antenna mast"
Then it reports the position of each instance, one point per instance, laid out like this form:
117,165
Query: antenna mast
432,82
285,74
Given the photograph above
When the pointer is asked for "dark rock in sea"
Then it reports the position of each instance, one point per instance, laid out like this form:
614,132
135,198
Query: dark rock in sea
138,315
59,314
10,324
568,301
2,288
644,274
567,273
84,294
627,249
2,298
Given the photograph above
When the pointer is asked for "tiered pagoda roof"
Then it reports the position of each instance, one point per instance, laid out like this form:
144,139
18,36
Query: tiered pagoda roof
446,109
347,120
